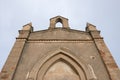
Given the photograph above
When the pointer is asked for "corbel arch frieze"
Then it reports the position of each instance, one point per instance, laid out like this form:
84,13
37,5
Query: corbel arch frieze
82,69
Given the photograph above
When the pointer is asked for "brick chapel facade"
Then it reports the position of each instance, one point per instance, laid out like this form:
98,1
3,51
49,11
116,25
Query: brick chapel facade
60,53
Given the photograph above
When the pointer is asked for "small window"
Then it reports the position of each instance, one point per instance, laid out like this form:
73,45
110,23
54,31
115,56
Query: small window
58,24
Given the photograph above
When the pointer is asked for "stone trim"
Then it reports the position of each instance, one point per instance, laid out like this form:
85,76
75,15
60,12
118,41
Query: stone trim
59,41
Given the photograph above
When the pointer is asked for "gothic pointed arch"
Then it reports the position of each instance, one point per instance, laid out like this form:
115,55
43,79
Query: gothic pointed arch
62,20
72,68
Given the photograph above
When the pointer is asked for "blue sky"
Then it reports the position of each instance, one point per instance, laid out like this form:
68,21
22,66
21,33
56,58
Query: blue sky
105,14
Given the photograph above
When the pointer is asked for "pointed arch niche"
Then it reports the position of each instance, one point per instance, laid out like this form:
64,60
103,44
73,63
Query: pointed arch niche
60,65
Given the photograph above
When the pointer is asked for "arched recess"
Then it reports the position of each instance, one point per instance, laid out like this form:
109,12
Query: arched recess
77,65
60,57
61,70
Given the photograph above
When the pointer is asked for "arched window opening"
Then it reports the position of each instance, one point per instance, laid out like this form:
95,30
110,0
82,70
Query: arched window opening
58,20
58,24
